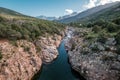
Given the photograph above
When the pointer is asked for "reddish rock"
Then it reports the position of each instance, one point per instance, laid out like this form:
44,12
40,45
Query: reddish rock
19,64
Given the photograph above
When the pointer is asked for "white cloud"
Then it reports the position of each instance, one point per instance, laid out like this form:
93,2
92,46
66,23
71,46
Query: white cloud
93,3
102,2
68,11
115,0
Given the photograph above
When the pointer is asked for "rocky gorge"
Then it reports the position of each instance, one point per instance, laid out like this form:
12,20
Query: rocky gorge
22,59
94,59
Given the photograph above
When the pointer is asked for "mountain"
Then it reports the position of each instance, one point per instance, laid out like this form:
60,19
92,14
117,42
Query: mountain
67,16
46,18
55,18
93,13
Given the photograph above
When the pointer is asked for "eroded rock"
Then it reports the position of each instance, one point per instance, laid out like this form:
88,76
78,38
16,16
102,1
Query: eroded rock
94,60
18,64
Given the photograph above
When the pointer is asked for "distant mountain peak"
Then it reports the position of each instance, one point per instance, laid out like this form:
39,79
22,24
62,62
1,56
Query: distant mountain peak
67,16
46,18
56,18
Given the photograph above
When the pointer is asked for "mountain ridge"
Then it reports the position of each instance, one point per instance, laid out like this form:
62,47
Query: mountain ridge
87,13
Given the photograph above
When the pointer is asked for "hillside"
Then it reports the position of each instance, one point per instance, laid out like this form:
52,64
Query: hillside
111,10
25,43
94,49
14,25
9,12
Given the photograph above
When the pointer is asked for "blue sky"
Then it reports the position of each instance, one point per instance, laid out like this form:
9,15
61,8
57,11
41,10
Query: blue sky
48,7
43,7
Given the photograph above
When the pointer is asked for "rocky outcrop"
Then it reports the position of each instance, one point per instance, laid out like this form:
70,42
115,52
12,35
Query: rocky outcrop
94,60
19,62
49,47
21,59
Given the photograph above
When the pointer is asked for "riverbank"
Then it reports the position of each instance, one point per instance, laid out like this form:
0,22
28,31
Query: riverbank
93,59
22,59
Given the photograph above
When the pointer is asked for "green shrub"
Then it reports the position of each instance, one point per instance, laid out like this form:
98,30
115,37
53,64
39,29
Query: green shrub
111,27
26,48
95,48
14,43
90,24
103,36
0,55
2,19
73,46
117,37
118,49
107,58
96,29
91,35
117,21
38,49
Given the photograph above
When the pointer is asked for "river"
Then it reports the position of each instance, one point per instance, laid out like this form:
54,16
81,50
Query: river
59,69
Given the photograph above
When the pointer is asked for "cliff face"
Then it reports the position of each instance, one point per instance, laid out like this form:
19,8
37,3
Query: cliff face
19,62
93,59
21,59
49,47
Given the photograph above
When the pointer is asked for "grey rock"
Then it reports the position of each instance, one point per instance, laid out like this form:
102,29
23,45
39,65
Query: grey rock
95,65
110,41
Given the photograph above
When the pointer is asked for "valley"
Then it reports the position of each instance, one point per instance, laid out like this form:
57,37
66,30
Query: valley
79,46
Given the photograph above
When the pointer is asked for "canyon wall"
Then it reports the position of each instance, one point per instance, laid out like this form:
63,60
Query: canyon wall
22,59
93,59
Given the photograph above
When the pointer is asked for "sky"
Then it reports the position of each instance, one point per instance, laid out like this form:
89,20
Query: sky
51,7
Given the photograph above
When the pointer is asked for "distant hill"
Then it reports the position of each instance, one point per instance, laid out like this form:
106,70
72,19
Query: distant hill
101,11
46,18
55,18
6,11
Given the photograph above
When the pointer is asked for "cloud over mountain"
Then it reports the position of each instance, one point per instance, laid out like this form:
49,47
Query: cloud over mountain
68,11
93,3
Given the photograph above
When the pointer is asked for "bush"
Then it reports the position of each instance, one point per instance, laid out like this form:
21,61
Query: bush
14,43
96,29
2,19
102,37
111,27
95,48
117,37
118,49
0,55
117,21
73,46
27,49
89,25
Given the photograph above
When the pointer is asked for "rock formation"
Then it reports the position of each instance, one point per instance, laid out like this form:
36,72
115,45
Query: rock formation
19,62
48,47
94,60
21,59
